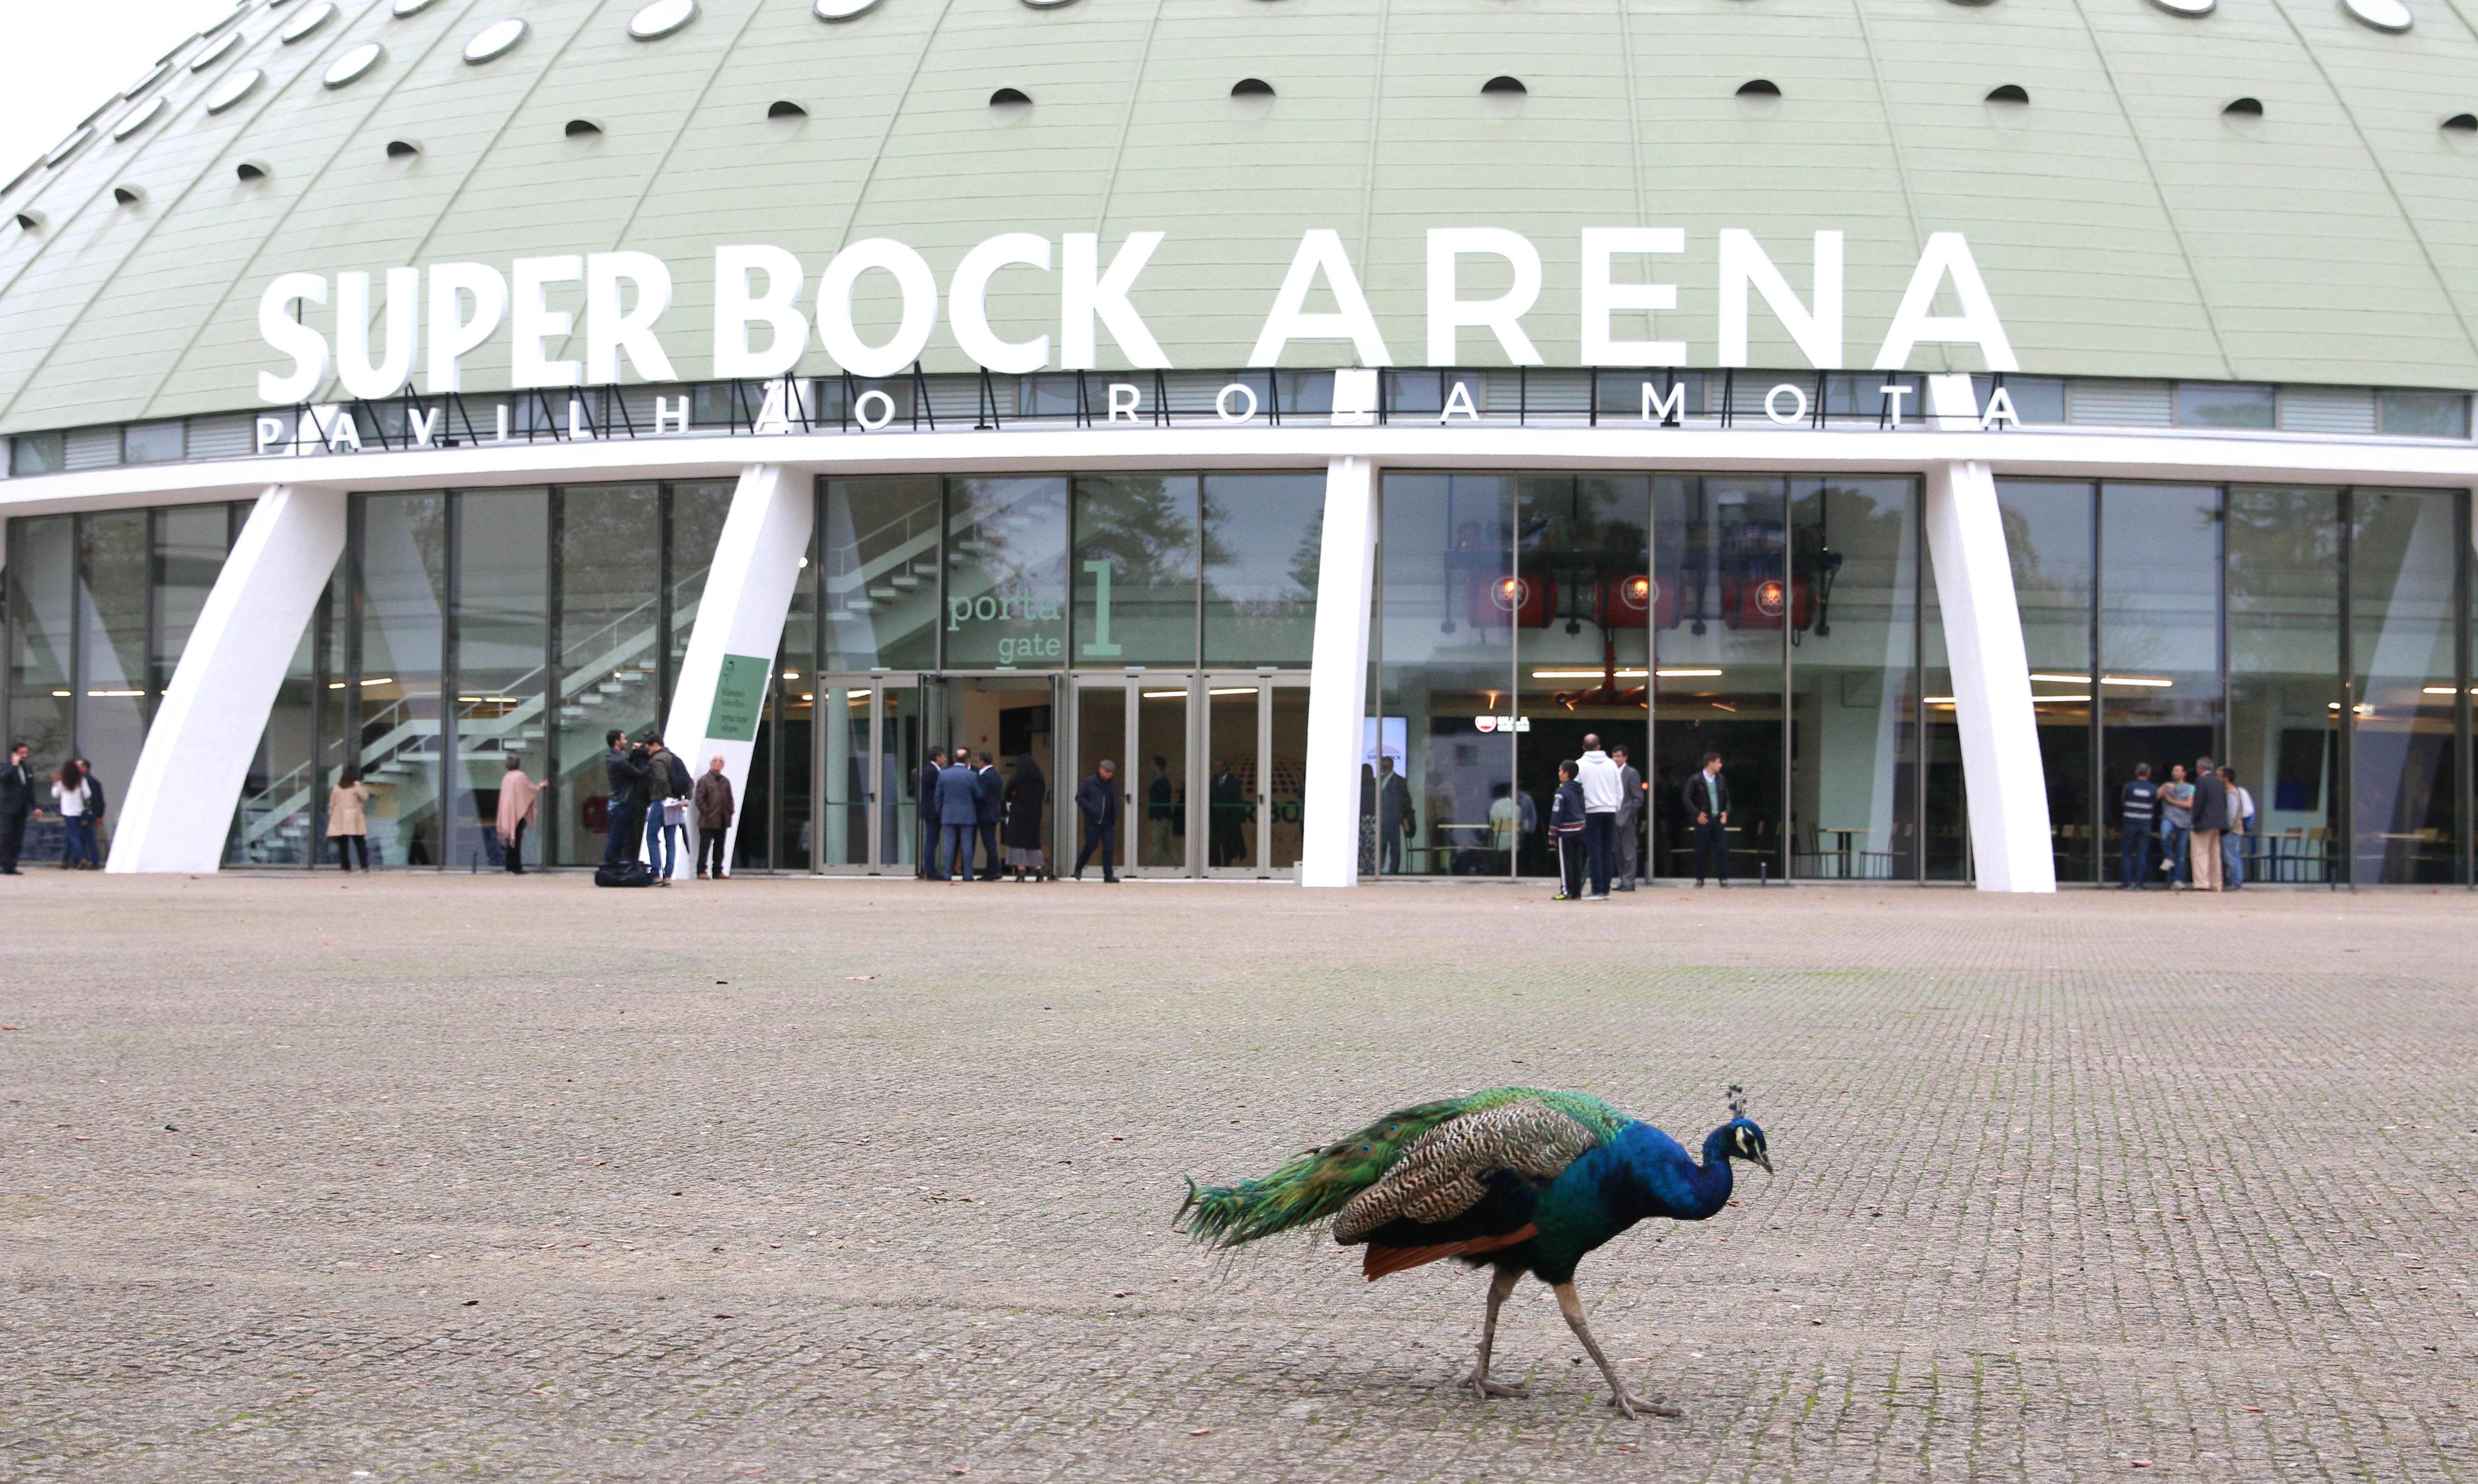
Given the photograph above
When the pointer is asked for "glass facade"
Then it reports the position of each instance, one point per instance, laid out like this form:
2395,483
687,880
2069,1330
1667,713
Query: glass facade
2316,640
97,607
1774,621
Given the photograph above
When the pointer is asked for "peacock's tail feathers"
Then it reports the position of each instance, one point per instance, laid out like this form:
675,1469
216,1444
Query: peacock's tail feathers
1314,1184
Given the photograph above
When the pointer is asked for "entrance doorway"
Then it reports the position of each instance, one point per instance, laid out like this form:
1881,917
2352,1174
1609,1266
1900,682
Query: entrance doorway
1211,769
870,746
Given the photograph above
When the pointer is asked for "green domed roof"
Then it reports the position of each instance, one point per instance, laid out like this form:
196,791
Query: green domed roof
2124,223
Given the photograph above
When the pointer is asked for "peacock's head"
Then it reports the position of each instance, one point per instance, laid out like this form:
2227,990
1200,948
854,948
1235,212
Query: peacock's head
1741,1139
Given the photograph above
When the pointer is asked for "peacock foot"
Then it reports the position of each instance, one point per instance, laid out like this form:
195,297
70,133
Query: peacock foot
1634,1406
1487,1387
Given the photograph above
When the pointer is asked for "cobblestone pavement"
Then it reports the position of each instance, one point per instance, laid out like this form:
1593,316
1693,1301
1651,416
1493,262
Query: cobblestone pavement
802,1180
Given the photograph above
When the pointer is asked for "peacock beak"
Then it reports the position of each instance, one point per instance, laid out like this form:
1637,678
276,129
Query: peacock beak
1765,1160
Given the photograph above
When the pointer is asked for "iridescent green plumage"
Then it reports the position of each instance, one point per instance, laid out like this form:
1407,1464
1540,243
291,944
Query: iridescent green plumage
1313,1185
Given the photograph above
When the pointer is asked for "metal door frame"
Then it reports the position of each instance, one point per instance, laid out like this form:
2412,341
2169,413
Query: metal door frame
873,774
1264,682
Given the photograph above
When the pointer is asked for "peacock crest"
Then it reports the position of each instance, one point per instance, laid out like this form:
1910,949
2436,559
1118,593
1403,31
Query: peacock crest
1737,1101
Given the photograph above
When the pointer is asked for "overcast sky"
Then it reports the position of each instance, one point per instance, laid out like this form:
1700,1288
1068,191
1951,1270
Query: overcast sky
66,58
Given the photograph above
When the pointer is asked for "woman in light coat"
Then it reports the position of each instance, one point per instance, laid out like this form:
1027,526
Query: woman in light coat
74,800
347,824
518,797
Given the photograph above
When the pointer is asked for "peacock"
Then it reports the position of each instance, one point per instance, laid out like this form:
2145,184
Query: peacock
1516,1178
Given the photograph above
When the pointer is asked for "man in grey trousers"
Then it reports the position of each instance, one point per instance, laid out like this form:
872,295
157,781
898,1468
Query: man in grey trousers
1630,817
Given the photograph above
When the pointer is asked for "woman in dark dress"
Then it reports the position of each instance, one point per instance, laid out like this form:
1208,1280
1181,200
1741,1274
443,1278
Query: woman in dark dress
1026,791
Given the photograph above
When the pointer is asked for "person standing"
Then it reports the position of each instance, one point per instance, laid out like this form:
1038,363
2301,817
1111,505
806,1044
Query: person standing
960,810
1395,819
1630,820
94,812
989,805
16,802
2176,818
1161,813
1505,828
712,801
348,826
1026,795
624,775
2233,844
1604,790
1225,803
2210,820
1567,816
926,807
518,796
667,779
1097,799
1708,804
77,825
2140,802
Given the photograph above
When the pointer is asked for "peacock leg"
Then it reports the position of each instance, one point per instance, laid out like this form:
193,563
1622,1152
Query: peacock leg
1620,1397
1498,1289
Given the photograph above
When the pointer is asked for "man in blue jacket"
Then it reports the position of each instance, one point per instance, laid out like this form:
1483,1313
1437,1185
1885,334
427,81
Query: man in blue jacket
959,808
1097,799
987,785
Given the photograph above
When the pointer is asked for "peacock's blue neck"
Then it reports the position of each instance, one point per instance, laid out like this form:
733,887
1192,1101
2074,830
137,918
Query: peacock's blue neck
1712,1180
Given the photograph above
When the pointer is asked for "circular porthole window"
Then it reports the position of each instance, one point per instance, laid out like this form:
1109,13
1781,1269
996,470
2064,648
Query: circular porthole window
2187,8
2382,14
215,52
1502,97
841,10
411,7
232,89
68,146
402,150
307,21
495,39
1010,103
138,118
1251,97
353,63
1047,5
250,172
2463,127
661,18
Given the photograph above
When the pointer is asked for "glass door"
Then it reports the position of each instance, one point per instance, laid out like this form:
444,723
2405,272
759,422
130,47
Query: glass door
869,750
1165,799
1233,753
1099,709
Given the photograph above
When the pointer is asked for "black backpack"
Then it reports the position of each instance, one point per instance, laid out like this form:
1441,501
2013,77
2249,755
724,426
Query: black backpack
627,873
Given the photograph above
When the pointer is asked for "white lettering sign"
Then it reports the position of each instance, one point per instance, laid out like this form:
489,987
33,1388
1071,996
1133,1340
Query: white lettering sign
760,332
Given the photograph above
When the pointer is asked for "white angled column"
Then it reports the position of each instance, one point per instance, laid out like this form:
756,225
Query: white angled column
720,693
189,774
1991,682
1338,677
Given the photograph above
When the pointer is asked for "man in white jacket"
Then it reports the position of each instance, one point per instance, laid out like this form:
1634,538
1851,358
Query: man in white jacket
1604,794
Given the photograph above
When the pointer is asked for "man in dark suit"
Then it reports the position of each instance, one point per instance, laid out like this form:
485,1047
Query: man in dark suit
987,787
926,807
16,802
1097,799
1395,820
1708,803
1226,797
